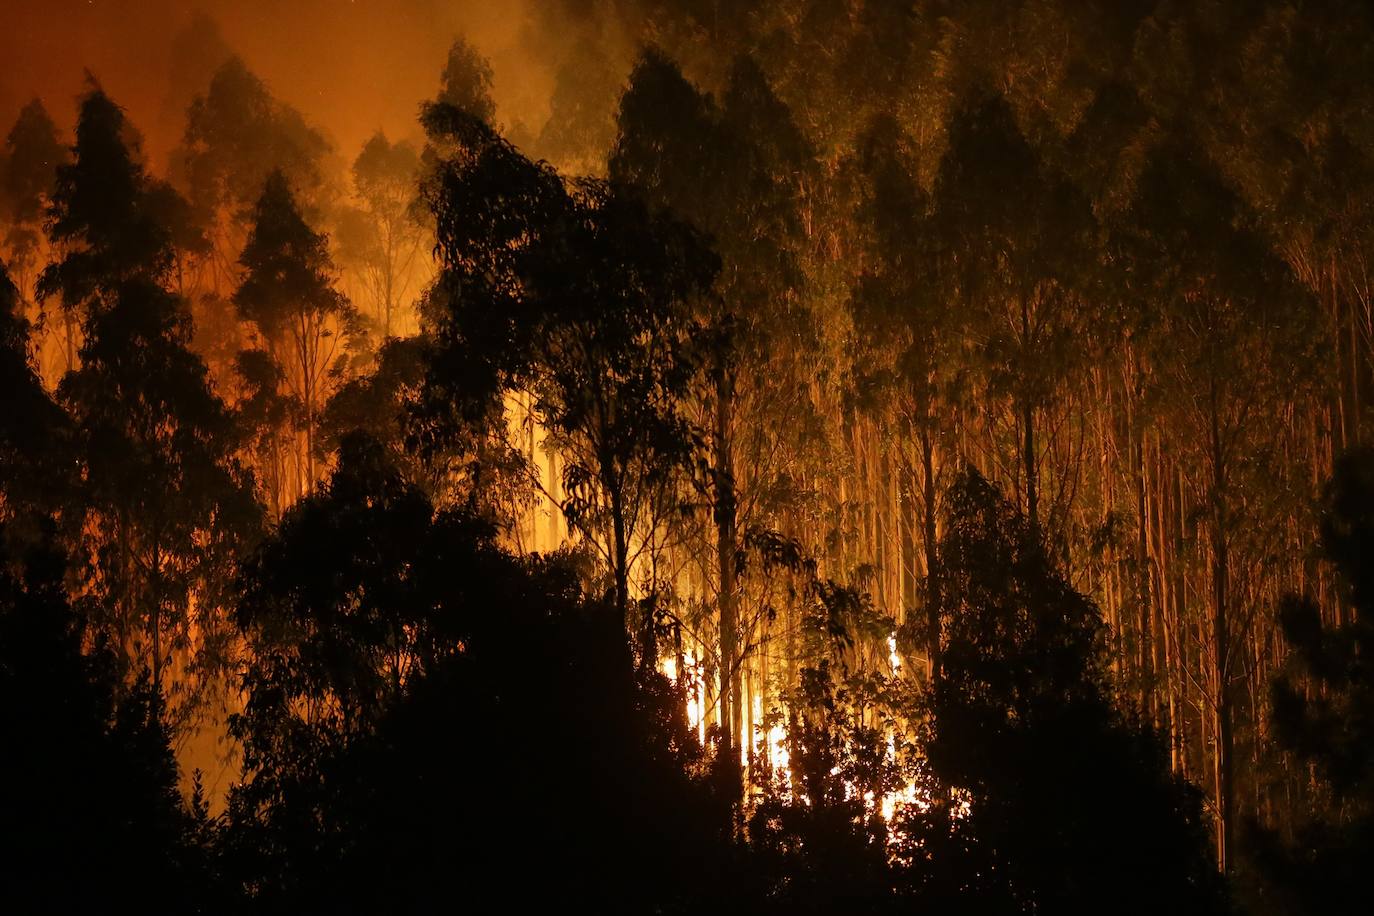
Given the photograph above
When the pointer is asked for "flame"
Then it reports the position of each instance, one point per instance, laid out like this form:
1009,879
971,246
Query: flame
696,693
767,744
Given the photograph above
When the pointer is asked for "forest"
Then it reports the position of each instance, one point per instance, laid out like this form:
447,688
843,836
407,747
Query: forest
822,456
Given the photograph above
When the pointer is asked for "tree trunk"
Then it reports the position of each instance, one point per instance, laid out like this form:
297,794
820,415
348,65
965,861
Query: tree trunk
1028,457
726,535
620,560
1223,769
1143,596
932,586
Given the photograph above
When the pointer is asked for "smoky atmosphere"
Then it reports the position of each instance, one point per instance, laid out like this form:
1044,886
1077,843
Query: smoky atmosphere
675,457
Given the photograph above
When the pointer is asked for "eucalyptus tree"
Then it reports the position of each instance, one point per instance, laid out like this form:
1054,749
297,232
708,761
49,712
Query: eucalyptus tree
466,82
28,169
379,403
167,503
910,333
737,171
89,773
1026,738
1232,350
376,617
580,131
288,293
576,296
1011,235
268,419
38,471
1320,702
382,238
237,133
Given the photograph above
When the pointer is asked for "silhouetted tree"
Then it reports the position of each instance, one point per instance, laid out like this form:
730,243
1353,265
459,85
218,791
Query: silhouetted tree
911,331
466,82
1321,704
379,404
28,170
1055,800
581,126
103,214
237,134
383,237
269,417
1231,336
38,468
1010,232
90,814
166,501
578,298
737,172
198,50
424,706
288,292
818,841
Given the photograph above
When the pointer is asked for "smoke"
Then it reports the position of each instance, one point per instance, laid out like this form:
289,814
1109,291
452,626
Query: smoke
350,66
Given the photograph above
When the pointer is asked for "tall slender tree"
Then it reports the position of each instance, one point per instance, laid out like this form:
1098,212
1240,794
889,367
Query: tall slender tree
167,503
738,172
288,293
382,238
1010,232
1234,347
28,169
237,134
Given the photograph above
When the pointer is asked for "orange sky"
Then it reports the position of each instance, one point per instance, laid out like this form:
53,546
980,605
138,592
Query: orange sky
350,66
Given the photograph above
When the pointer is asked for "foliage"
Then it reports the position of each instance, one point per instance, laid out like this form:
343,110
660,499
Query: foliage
575,296
288,292
1055,796
166,502
465,82
88,779
1321,701
423,705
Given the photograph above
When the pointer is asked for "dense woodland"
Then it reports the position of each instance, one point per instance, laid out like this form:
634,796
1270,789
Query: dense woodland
856,456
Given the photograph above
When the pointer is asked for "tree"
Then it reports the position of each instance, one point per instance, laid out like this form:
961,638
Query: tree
615,363
1321,700
421,706
577,298
466,82
28,169
198,50
237,135
736,172
1009,235
1232,346
382,236
103,215
88,779
910,330
269,418
37,462
581,126
819,839
288,293
167,503
379,404
1057,800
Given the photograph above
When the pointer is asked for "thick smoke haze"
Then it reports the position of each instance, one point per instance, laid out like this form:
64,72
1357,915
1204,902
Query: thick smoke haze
351,66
